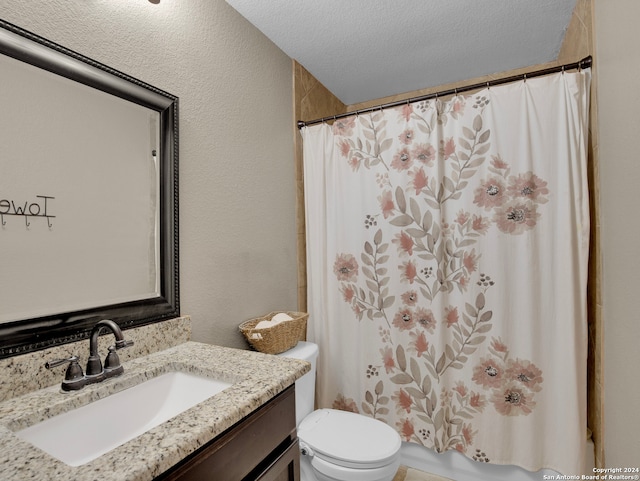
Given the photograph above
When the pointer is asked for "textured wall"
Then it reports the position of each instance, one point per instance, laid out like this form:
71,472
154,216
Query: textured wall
617,47
237,185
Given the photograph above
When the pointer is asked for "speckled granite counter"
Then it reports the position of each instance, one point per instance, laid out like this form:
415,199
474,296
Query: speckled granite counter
256,379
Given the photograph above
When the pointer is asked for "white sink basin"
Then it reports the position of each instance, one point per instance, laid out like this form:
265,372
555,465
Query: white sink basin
83,434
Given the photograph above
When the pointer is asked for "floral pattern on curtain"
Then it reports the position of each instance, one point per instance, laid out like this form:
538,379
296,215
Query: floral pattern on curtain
447,259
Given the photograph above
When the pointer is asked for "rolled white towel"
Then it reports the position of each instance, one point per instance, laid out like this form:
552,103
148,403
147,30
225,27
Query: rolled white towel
281,317
275,320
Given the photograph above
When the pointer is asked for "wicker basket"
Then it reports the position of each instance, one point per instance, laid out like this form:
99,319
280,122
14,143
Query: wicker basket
279,338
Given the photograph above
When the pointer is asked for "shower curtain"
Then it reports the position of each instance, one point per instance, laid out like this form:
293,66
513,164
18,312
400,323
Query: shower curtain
447,247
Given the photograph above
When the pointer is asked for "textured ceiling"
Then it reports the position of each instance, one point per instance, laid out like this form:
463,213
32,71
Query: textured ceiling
368,49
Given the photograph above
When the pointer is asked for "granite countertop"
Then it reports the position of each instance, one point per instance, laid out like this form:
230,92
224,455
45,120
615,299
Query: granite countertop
255,378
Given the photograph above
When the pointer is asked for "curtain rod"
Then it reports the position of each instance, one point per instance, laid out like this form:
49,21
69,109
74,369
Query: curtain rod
584,63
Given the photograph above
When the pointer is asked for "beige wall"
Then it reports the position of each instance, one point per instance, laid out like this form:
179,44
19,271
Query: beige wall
237,233
618,72
237,188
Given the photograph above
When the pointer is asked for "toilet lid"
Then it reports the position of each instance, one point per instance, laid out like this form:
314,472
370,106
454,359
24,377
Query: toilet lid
349,439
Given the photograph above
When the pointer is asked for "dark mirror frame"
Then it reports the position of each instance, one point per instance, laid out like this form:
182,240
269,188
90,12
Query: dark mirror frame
19,337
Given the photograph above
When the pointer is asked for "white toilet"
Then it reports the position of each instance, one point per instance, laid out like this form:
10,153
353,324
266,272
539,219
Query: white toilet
338,445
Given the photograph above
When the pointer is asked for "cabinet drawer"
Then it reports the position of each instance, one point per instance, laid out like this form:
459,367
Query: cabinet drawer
285,468
239,450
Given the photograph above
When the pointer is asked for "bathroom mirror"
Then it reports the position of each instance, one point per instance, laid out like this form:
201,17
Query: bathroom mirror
88,196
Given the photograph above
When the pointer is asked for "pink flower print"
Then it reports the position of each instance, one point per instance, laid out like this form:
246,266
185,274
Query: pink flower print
354,163
345,404
405,112
386,203
420,180
470,261
457,107
406,429
477,401
406,137
460,388
344,126
491,193
347,292
480,224
345,267
528,186
448,147
498,345
526,373
345,148
410,298
408,272
403,400
451,316
498,163
462,217
425,318
460,448
419,343
516,217
512,400
489,373
387,359
404,242
402,160
403,320
425,153
468,434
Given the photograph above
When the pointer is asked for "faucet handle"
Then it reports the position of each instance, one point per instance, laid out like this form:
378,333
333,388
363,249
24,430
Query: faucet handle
60,362
123,343
74,371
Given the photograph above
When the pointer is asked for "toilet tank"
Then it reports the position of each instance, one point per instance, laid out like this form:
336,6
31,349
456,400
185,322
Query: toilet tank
306,385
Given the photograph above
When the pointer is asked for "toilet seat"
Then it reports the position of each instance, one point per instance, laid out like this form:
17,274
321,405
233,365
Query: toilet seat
350,440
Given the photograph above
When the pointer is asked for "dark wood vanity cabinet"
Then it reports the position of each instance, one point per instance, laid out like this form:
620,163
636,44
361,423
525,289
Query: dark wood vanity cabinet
261,447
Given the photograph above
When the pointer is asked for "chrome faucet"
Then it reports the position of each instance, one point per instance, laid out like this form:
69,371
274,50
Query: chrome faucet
75,379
